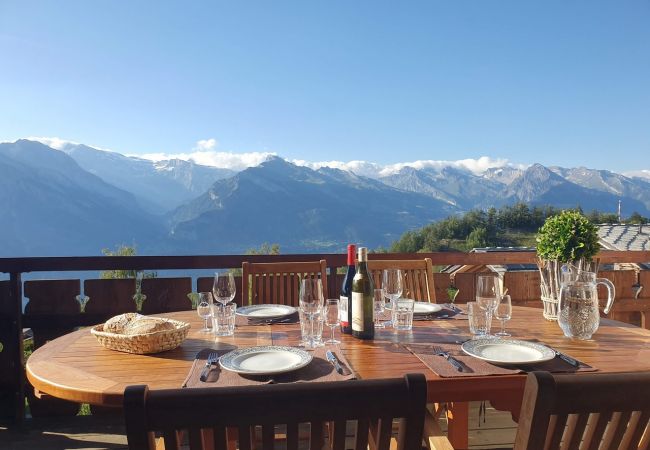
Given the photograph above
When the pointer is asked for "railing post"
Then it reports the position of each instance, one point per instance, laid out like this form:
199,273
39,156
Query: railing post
12,338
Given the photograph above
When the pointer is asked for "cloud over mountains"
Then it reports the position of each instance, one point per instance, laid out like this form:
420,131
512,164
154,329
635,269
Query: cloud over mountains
206,152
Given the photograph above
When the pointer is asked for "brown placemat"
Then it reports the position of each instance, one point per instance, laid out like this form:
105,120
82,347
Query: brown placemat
319,369
474,367
241,321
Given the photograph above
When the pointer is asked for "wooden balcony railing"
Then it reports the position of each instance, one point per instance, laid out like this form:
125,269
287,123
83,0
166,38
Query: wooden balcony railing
52,309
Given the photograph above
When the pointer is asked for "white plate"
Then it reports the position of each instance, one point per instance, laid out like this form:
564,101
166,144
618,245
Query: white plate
423,308
508,351
265,360
265,311
426,308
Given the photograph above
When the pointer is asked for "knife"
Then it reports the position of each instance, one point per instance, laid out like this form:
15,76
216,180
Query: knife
334,360
567,359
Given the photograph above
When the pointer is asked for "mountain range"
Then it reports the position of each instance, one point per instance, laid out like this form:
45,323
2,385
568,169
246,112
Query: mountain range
78,200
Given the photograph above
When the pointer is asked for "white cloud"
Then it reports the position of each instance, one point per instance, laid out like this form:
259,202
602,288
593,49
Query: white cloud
204,153
54,142
62,144
374,170
224,160
363,168
644,173
206,145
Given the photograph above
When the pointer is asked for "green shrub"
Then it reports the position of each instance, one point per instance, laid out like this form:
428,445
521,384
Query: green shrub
568,236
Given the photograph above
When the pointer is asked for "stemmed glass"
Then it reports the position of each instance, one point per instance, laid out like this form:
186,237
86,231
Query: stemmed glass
392,282
224,288
204,309
504,313
488,294
311,306
332,319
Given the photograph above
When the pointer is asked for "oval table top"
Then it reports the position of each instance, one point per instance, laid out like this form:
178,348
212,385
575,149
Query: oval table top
76,367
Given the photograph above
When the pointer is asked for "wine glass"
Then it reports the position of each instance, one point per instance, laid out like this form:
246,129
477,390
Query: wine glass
503,312
488,294
488,291
311,307
392,283
311,295
332,319
224,288
379,307
204,309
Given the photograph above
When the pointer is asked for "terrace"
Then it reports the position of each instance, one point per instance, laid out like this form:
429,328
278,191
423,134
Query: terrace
52,311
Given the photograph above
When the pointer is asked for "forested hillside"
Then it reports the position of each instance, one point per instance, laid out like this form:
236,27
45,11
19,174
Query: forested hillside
508,226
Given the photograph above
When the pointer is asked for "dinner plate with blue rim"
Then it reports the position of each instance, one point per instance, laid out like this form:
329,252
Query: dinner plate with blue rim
265,311
507,351
424,308
265,360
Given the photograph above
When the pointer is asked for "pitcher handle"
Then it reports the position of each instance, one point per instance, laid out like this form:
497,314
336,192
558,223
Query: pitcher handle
611,292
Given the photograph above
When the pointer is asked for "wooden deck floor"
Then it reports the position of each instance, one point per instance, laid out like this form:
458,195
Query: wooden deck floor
92,432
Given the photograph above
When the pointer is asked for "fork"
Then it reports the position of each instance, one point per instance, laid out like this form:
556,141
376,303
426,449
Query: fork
438,351
212,359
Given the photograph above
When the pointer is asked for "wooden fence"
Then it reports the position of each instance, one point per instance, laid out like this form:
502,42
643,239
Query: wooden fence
52,309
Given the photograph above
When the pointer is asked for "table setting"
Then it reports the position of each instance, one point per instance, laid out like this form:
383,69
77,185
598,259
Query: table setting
493,354
311,360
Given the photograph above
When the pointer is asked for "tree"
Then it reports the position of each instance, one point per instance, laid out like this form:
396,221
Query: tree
264,249
637,218
410,242
122,250
477,238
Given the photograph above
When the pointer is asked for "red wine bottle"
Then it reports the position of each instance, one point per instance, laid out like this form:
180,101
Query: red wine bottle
345,301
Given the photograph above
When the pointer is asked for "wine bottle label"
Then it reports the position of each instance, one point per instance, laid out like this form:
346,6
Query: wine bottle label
357,311
343,310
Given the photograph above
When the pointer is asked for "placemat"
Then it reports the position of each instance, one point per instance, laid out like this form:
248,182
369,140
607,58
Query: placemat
319,369
474,367
241,321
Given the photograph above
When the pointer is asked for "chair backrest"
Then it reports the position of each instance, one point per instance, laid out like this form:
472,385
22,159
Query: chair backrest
586,411
224,415
418,276
279,283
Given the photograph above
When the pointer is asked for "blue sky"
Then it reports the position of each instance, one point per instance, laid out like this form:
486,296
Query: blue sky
556,82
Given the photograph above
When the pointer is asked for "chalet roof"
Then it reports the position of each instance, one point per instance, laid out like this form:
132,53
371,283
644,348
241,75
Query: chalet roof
457,268
624,236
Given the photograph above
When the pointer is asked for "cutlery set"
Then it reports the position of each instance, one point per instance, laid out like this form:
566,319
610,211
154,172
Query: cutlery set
213,359
331,357
438,351
567,359
253,321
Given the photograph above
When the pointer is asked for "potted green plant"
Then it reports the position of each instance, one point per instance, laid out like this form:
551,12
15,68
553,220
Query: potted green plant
568,237
452,293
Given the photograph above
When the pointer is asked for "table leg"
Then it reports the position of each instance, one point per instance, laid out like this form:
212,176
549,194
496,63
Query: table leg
458,424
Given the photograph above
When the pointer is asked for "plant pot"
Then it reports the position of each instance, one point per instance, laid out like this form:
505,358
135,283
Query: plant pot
551,280
550,308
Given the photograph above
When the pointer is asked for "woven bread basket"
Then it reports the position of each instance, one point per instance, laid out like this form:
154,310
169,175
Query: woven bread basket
158,341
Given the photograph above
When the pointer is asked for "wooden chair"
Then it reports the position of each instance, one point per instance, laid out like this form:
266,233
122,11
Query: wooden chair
216,413
279,283
589,411
418,276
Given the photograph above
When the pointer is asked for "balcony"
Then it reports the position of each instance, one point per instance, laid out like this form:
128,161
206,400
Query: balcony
52,309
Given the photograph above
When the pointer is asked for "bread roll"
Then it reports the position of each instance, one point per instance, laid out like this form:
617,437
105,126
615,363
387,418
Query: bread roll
118,324
145,325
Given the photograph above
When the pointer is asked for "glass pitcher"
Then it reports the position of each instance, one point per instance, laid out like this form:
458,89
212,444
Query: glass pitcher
578,310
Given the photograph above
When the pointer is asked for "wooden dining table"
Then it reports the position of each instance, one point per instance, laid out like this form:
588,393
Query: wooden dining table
76,367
